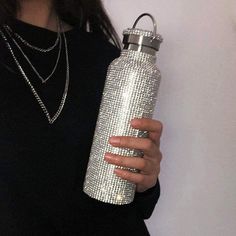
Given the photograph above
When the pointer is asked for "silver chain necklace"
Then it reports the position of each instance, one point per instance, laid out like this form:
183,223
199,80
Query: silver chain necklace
35,47
39,100
43,80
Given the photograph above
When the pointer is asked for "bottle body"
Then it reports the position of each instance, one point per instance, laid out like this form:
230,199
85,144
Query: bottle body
130,92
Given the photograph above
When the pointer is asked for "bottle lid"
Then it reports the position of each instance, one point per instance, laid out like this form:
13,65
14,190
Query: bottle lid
142,40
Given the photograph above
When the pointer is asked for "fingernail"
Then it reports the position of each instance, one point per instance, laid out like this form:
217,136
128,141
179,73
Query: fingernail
114,140
108,156
134,122
117,171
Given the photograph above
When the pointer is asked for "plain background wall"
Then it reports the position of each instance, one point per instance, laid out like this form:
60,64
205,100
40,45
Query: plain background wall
197,106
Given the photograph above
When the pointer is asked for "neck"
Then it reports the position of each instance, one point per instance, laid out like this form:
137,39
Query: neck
39,13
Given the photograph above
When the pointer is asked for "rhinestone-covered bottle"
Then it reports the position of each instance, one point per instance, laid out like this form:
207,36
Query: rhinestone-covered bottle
130,92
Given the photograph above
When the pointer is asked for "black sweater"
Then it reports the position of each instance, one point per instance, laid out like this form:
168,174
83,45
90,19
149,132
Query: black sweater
42,166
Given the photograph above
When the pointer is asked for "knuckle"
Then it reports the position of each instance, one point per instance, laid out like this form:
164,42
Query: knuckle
160,126
122,161
161,156
148,144
132,142
123,141
141,178
158,157
126,141
143,164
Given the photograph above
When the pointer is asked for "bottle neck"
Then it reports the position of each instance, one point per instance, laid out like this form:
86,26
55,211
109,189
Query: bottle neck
140,48
138,55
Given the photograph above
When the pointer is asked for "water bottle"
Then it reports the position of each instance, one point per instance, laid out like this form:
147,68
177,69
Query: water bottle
130,91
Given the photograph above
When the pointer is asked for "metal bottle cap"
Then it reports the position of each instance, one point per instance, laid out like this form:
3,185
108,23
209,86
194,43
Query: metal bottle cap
142,40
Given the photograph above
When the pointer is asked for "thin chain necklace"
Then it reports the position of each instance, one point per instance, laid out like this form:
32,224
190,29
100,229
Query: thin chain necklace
52,119
44,50
43,80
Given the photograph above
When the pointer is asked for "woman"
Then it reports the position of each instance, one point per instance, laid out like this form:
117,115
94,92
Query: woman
53,62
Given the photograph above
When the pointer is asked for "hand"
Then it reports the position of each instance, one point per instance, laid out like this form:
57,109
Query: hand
149,165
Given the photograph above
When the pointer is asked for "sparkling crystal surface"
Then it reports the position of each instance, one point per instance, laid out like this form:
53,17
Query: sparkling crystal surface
130,92
141,32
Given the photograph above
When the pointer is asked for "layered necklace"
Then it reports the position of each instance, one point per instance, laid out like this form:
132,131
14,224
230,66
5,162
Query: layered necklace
13,36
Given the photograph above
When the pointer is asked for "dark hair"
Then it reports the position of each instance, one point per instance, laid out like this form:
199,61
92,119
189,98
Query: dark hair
89,14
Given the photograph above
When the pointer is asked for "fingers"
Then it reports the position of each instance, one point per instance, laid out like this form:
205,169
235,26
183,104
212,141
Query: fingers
154,127
145,144
148,170
130,176
138,163
149,165
142,181
147,124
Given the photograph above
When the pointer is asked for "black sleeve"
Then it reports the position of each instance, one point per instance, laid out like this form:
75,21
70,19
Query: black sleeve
145,202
